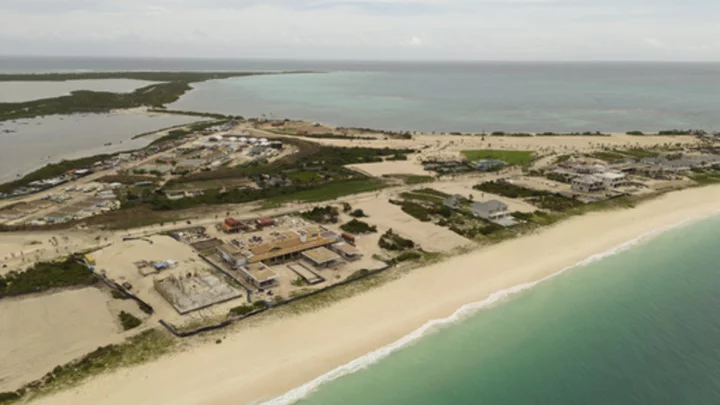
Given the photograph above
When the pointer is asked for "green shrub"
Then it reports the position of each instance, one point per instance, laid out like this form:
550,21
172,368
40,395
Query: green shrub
9,396
129,321
118,295
358,213
246,309
358,227
508,190
555,202
490,228
408,256
242,310
44,276
322,215
392,241
416,210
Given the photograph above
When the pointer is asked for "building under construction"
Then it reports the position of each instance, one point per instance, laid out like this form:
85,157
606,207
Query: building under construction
195,291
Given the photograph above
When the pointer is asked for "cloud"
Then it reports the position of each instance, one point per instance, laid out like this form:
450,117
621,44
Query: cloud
414,41
372,29
655,43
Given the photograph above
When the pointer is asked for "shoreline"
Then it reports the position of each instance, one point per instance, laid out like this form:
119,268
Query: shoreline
276,360
461,314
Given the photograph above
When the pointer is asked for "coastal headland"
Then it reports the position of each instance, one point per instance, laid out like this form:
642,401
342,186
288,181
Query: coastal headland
171,86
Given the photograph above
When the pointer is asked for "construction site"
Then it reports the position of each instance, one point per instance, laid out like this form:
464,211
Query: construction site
168,275
278,258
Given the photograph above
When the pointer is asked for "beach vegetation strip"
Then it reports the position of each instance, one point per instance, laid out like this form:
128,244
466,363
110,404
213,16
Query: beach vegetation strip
44,276
138,349
511,157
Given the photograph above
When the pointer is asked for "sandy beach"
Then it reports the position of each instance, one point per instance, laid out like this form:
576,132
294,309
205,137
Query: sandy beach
254,365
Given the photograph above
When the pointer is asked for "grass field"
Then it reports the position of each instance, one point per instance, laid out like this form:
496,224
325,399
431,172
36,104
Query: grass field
330,191
513,157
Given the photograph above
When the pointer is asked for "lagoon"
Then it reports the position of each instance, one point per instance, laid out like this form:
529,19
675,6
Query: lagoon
17,92
29,144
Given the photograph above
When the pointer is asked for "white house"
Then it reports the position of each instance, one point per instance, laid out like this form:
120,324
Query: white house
613,179
491,210
588,184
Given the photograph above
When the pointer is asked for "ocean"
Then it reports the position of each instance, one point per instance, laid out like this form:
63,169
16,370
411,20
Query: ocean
480,97
639,326
443,96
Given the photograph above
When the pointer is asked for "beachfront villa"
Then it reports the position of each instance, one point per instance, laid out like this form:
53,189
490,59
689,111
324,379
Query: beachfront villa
346,250
259,275
321,257
588,184
490,210
613,179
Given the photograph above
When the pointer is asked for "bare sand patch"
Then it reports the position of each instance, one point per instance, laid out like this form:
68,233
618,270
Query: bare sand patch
431,237
20,250
391,167
40,332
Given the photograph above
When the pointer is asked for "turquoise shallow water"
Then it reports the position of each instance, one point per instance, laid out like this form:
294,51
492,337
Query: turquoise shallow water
475,97
639,327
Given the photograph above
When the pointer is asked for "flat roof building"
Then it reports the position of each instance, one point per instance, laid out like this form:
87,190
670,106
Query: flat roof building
588,184
232,254
346,250
321,257
258,274
612,179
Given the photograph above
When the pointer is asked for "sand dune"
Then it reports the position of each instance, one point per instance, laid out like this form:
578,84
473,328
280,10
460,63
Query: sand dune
256,364
40,332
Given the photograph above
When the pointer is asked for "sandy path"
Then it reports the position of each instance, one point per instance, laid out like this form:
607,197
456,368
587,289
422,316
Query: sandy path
267,360
392,167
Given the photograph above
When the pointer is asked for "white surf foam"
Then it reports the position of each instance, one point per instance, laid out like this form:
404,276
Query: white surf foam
462,313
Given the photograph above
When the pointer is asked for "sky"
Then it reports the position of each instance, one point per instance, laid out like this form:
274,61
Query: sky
665,30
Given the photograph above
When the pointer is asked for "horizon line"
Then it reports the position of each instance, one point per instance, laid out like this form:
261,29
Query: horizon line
369,60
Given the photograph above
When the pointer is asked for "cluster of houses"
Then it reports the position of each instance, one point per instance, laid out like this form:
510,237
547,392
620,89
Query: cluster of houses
209,153
44,184
587,177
